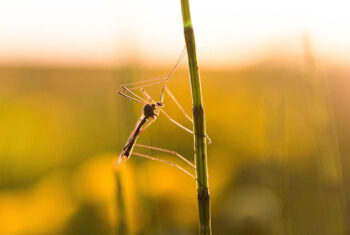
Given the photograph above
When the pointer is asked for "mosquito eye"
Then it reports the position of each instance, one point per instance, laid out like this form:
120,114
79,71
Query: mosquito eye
160,104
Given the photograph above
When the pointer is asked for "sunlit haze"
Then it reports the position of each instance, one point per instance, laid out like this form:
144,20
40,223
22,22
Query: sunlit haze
111,33
84,83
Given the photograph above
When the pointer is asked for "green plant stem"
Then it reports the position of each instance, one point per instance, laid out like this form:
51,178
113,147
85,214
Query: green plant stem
200,146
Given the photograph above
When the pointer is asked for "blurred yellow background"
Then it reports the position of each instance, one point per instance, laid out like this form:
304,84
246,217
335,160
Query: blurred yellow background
275,89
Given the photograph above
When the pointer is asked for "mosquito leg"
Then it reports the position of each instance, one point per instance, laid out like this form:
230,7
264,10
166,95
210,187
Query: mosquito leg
208,138
154,81
166,162
167,151
182,55
147,83
169,163
175,122
181,108
145,94
130,98
124,88
181,126
147,125
162,94
177,103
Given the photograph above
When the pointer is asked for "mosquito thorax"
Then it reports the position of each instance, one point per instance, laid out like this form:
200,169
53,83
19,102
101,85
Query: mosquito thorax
149,110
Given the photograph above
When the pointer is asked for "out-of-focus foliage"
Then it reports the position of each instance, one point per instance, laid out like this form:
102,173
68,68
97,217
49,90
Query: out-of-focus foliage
276,163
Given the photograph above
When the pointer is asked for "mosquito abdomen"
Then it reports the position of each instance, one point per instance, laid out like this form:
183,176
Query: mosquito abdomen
127,150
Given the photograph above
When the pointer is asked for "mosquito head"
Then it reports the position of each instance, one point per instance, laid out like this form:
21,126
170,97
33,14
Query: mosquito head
150,110
160,104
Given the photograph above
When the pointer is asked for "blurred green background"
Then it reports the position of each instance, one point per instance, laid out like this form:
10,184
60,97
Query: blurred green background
277,163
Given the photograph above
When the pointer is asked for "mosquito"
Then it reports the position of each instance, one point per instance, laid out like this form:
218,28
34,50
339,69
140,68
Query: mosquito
150,112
